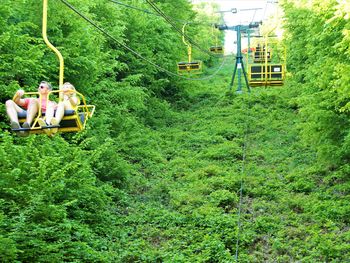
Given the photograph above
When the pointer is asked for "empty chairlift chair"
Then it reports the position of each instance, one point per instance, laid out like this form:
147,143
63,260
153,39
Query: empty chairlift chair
189,66
194,67
217,49
265,70
266,75
261,55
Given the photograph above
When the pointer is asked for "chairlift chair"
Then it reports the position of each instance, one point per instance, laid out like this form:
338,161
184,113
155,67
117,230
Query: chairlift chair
266,75
194,67
72,121
265,70
261,54
216,49
189,66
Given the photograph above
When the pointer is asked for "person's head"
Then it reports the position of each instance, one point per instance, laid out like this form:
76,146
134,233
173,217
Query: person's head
44,87
68,87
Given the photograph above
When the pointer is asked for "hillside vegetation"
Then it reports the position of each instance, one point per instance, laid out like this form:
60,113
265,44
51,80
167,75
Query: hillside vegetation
173,170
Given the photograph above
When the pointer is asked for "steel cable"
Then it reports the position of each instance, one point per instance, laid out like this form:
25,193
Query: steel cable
133,51
160,12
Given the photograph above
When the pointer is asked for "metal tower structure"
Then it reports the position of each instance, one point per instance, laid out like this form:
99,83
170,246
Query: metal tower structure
239,65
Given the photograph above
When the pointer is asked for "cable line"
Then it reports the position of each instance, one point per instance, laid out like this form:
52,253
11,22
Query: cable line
133,51
243,171
253,16
265,9
135,8
160,12
239,224
156,14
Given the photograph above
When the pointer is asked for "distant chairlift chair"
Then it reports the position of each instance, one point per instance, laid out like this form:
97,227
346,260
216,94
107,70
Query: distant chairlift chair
260,55
216,49
264,73
192,67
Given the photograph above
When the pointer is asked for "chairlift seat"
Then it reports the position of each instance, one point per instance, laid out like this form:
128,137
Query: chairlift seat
260,56
273,77
194,67
72,121
217,49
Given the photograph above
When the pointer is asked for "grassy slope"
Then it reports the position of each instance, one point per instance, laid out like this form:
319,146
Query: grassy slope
187,209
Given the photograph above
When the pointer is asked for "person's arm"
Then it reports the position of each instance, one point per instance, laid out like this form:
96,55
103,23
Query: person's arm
72,98
74,101
18,98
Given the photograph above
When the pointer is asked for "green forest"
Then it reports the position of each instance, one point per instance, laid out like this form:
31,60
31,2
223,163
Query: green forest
169,168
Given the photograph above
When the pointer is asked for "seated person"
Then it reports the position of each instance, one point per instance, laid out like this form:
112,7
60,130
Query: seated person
69,101
29,104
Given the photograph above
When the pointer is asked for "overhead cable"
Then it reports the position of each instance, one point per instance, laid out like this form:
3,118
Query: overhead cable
151,3
265,9
133,51
156,14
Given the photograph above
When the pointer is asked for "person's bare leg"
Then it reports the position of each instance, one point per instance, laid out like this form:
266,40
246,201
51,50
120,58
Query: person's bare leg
59,112
58,117
12,110
49,114
32,111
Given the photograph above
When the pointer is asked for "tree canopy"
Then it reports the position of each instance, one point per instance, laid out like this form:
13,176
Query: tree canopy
172,170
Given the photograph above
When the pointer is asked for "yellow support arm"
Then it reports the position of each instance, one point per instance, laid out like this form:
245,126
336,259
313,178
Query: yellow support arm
189,47
44,32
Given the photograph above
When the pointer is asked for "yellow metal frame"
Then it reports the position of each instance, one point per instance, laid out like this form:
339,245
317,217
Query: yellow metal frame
262,56
189,46
194,67
217,49
266,76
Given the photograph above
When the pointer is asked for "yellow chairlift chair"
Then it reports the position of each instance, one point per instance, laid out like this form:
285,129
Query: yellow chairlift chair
267,70
74,120
186,67
216,49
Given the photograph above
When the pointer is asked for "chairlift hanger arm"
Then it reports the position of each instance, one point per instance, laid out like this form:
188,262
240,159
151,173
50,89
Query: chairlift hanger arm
183,36
48,43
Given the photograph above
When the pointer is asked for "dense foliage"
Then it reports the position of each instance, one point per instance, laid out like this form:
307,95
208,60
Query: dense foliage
156,176
319,61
